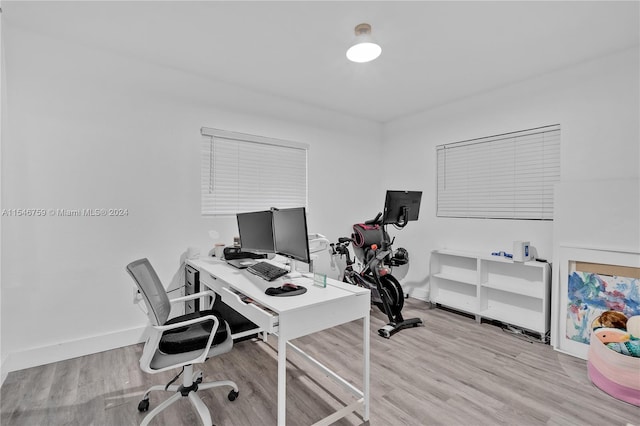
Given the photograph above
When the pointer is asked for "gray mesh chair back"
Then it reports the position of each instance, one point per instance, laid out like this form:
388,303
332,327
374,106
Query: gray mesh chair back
153,292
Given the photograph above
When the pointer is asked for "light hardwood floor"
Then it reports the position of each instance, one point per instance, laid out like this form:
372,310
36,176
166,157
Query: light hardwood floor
452,371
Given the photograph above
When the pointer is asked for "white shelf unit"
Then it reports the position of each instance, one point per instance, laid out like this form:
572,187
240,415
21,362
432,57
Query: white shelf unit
493,287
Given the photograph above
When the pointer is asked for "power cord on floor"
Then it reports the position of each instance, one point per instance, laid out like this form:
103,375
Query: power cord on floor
522,335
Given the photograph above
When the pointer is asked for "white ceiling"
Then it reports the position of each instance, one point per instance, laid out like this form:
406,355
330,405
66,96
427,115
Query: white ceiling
434,52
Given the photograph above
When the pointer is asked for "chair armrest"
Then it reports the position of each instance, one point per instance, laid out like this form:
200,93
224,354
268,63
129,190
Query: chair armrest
156,334
193,296
187,323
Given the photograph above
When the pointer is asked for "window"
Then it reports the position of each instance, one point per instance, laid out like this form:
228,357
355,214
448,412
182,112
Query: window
508,176
243,173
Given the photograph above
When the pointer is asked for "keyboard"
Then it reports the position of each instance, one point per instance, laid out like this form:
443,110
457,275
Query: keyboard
267,271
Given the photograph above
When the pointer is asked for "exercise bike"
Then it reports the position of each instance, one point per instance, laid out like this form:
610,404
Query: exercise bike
373,248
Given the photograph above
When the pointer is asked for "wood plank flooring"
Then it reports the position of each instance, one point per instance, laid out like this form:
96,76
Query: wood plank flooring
452,371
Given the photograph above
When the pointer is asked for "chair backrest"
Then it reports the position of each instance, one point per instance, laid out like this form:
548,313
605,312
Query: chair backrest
153,292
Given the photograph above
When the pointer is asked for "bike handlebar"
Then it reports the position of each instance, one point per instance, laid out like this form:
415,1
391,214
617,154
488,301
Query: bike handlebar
375,221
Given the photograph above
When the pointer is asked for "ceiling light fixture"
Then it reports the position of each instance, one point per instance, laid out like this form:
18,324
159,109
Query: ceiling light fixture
364,49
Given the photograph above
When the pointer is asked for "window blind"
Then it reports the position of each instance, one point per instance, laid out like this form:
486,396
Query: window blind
508,176
249,173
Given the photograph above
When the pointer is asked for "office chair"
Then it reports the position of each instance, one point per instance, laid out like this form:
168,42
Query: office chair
178,342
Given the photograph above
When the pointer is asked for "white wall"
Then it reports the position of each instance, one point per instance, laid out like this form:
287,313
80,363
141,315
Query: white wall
596,103
2,109
86,129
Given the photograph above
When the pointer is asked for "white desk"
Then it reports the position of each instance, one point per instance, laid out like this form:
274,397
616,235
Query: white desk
294,316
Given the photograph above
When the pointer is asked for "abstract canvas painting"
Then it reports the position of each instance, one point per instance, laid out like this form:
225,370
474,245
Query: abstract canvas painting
590,294
590,281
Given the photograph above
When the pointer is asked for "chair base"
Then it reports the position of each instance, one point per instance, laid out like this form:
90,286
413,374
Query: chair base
192,382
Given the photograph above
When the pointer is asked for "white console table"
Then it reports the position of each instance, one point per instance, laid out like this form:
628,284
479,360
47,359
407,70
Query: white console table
492,287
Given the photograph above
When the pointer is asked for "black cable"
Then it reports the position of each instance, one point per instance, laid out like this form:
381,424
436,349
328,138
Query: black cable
176,289
520,334
174,379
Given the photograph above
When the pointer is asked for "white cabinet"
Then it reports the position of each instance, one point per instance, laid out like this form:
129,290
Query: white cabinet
492,287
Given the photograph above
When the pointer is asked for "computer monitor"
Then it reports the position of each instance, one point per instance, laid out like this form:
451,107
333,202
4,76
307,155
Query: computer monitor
256,231
401,207
290,233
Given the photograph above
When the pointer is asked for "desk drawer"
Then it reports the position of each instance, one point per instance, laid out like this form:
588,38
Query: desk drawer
212,282
265,319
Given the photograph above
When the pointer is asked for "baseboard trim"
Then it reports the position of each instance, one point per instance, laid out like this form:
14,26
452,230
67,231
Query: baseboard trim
34,357
420,294
4,373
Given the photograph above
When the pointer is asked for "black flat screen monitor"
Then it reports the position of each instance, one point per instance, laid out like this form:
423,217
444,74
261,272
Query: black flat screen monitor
256,231
290,233
401,207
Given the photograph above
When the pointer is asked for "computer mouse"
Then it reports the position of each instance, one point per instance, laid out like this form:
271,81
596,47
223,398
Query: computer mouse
273,291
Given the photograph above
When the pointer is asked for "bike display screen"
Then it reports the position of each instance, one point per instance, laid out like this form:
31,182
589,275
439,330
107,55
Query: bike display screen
401,207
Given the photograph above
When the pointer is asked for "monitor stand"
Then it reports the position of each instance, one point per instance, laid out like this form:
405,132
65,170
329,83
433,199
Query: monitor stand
293,273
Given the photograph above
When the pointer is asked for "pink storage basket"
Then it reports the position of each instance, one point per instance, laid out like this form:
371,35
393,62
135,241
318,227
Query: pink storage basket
614,373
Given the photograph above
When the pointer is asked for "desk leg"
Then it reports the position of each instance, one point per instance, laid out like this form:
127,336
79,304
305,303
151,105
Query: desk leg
366,365
282,380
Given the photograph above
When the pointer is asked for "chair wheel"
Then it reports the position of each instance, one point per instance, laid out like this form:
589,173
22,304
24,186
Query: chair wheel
143,405
233,395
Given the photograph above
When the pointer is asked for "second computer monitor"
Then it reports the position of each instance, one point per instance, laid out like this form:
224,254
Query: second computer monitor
256,231
290,233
